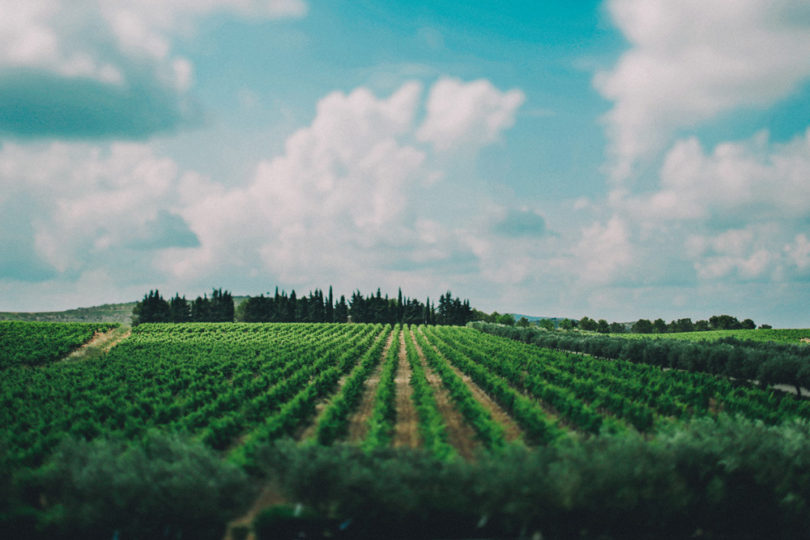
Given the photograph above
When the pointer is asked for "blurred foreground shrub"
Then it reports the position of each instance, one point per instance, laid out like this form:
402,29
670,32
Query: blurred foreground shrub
730,478
163,487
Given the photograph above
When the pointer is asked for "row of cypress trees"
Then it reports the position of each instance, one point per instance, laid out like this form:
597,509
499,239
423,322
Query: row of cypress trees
316,307
372,308
153,308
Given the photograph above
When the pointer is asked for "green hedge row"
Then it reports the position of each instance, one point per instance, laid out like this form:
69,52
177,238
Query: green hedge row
768,362
730,478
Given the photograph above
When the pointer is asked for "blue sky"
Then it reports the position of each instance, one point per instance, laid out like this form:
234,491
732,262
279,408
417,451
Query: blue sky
616,159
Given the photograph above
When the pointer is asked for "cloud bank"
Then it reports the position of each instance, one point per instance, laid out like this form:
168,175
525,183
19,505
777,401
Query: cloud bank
350,201
104,68
691,61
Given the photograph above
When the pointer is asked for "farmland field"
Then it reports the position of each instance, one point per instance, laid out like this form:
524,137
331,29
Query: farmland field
781,335
299,405
32,343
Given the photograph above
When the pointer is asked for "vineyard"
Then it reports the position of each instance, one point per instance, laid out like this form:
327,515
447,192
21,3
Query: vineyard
783,335
34,343
387,419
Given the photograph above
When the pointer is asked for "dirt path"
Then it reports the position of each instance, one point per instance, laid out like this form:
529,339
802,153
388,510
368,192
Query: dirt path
270,496
459,434
358,421
512,431
406,431
100,343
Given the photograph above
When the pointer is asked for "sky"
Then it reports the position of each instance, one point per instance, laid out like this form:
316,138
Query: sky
620,159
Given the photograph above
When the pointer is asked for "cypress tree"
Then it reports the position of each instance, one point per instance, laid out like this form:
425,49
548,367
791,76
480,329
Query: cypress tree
330,307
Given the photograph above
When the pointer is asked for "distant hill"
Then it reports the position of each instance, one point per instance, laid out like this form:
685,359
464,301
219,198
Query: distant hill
534,318
116,313
119,313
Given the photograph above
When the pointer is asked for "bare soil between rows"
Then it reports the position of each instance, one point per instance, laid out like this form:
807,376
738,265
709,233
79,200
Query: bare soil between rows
459,433
406,429
358,422
512,432
320,407
101,342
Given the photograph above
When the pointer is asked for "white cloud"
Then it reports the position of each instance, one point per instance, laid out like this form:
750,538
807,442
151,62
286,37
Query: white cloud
344,203
88,205
692,60
798,252
338,192
604,254
70,37
59,54
743,181
732,212
467,114
343,200
745,254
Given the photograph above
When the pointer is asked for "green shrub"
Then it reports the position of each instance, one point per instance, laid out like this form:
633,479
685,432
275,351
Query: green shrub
730,478
296,521
162,487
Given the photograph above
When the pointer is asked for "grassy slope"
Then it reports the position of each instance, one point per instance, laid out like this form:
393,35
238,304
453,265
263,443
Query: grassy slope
783,335
116,313
120,313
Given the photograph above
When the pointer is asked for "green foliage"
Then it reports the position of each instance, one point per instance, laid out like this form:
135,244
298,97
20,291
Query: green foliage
636,391
616,450
499,380
488,431
781,335
617,328
37,343
506,319
602,326
432,428
588,324
384,412
767,362
153,308
685,326
293,521
548,324
372,308
162,487
335,419
642,326
300,407
214,381
729,478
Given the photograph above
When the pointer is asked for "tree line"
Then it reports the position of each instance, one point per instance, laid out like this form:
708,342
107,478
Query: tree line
315,307
660,326
153,308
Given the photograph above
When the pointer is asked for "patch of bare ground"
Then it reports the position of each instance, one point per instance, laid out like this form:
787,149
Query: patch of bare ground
512,431
100,343
309,431
270,496
459,434
358,421
406,430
